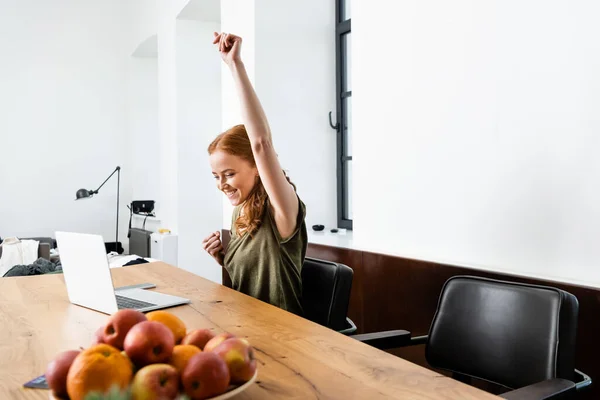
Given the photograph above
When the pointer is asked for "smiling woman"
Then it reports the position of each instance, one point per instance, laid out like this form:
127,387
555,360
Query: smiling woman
234,168
268,244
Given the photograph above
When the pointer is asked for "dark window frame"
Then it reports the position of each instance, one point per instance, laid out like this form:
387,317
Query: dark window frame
341,28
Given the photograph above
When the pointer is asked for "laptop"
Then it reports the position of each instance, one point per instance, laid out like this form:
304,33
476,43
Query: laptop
89,281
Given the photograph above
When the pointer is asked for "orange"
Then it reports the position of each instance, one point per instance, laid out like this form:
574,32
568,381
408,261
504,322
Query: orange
171,321
98,369
181,355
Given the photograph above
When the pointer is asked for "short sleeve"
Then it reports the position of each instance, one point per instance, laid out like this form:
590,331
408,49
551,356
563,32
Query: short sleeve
299,221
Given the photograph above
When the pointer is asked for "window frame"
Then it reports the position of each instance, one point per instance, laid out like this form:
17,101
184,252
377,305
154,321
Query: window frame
342,28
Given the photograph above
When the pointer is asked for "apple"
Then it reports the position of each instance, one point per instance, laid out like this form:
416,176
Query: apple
198,337
181,356
119,324
155,382
57,371
239,357
149,342
214,342
98,336
205,375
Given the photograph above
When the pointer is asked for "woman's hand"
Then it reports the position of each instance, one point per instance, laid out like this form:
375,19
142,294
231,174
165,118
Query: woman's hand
230,47
213,246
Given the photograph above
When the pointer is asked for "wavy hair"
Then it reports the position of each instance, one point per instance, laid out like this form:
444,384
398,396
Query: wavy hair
235,141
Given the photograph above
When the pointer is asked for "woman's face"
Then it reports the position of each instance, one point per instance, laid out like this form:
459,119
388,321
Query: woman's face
235,176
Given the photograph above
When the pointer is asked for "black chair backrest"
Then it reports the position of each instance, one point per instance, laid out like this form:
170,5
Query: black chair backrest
326,292
511,334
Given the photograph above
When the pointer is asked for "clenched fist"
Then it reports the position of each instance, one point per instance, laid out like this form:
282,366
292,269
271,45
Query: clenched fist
212,244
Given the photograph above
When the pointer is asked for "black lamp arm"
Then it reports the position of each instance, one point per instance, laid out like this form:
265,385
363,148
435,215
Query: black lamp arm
96,191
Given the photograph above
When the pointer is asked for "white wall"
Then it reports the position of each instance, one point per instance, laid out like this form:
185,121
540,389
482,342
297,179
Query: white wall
186,118
238,17
289,52
199,121
168,199
295,80
476,134
63,119
142,114
142,21
167,115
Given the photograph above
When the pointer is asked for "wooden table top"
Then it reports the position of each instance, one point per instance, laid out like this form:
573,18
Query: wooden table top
297,358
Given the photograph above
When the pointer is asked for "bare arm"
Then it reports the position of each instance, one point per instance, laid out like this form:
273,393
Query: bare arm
281,194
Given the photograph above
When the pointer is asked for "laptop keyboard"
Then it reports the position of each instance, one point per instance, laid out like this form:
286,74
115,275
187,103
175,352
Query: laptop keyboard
126,302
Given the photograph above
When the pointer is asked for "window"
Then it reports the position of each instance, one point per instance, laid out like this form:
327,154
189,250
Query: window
343,40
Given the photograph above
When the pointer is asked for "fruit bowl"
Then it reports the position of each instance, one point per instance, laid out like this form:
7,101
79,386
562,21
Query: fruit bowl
235,389
154,355
231,391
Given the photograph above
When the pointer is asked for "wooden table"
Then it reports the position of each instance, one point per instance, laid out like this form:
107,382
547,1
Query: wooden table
297,358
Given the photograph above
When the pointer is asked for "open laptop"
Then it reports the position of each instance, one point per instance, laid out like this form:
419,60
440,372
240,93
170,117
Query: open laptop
89,281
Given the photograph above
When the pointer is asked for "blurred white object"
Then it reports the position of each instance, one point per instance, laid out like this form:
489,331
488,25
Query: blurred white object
164,247
17,252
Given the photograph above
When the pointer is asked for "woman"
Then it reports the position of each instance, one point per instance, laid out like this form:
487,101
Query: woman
268,233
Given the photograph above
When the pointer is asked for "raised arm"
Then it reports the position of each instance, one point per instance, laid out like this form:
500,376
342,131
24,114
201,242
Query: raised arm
281,194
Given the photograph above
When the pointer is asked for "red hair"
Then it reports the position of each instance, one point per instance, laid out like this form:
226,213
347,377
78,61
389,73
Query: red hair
235,141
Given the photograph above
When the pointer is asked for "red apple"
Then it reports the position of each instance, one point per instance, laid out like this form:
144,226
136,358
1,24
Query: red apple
217,340
149,342
98,336
57,371
205,375
198,337
119,324
239,357
155,382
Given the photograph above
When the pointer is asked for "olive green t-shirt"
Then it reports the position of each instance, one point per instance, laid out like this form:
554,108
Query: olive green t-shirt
265,266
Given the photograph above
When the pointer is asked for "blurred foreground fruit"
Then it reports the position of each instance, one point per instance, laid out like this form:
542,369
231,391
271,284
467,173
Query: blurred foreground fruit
205,375
198,337
172,321
57,371
217,340
239,357
98,336
182,353
98,369
149,342
119,324
155,382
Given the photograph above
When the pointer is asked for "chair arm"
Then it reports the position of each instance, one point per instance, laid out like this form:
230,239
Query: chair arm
385,340
548,389
351,327
583,380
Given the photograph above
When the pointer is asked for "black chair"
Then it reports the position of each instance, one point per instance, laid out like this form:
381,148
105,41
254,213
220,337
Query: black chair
326,293
519,336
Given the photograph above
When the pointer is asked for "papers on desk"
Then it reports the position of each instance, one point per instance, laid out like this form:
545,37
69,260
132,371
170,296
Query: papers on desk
117,260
